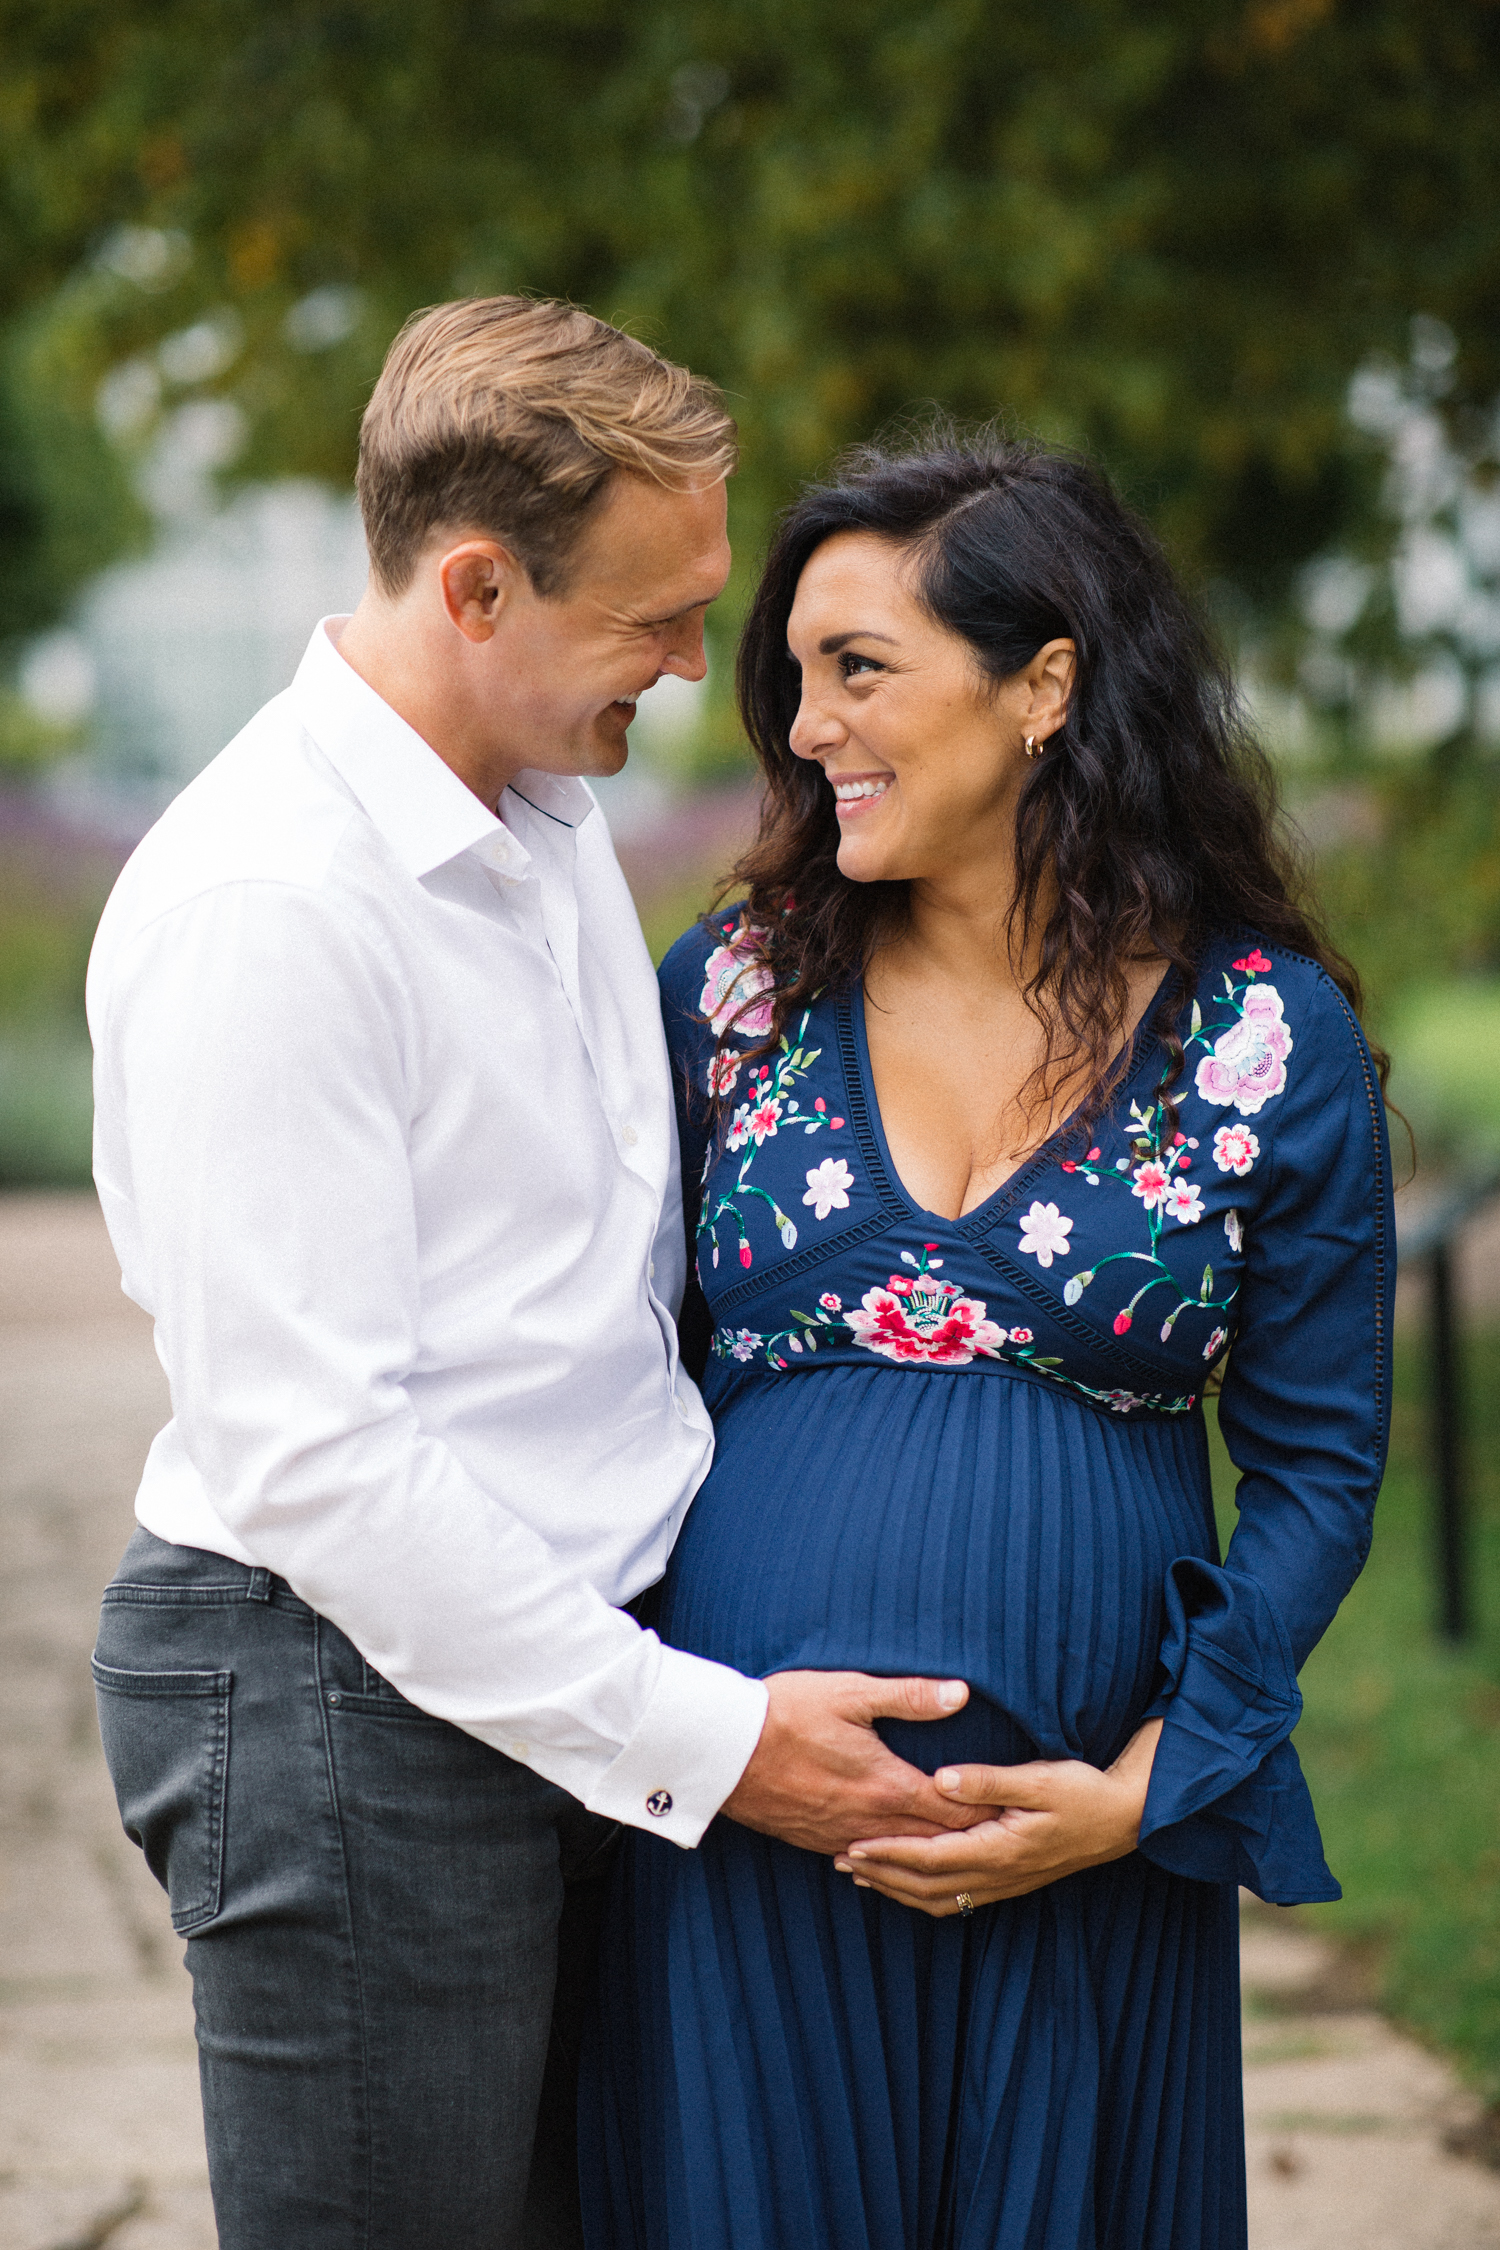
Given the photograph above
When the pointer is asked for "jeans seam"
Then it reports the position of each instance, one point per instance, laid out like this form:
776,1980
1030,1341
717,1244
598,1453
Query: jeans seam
366,2125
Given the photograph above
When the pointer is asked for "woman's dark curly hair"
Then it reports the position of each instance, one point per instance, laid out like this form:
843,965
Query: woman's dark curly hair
1150,821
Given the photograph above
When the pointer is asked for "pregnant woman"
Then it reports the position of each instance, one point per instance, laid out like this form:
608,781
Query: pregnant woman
1019,1099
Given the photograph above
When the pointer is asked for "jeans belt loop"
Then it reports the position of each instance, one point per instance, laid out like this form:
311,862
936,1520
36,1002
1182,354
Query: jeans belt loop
259,1588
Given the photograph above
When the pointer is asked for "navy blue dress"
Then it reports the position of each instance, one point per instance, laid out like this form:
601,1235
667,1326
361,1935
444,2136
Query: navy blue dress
974,1448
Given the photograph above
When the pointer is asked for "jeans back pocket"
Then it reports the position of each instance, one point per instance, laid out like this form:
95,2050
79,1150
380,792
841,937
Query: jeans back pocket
166,1743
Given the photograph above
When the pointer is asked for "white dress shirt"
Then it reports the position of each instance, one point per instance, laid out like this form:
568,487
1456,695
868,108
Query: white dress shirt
386,1147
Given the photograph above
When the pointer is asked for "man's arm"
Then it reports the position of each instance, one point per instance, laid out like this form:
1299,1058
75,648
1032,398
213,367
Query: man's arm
259,1051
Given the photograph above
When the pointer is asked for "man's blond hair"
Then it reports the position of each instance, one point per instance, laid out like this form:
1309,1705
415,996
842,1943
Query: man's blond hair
506,417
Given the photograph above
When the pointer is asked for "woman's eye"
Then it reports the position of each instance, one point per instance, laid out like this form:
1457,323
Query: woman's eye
852,665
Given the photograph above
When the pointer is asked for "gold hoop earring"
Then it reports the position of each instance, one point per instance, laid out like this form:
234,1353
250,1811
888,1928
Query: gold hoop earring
1034,748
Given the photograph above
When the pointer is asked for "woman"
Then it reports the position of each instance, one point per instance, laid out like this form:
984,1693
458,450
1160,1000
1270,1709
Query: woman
1018,1093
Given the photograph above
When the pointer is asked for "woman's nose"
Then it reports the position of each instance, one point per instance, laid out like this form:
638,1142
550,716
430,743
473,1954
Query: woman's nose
813,732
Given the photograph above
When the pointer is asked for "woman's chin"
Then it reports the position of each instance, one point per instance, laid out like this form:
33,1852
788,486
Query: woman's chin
863,859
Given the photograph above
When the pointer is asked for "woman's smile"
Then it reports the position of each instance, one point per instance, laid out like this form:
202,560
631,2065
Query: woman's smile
858,793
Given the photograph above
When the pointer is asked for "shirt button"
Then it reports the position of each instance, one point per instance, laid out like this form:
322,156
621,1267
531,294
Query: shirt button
519,1750
629,1136
659,1803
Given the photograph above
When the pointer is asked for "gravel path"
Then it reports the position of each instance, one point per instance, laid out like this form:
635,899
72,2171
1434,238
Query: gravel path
100,2142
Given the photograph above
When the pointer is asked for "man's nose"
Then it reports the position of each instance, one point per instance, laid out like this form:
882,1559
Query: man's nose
687,656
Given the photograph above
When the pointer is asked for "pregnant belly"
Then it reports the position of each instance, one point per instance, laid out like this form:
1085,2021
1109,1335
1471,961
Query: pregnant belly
959,1525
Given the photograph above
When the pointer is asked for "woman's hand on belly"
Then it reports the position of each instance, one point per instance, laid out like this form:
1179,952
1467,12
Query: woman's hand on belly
1057,1816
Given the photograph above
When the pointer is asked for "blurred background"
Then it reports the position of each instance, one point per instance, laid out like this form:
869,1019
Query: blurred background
1247,252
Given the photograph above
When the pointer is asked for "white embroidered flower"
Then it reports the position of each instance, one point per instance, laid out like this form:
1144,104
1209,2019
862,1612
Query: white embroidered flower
1183,1201
1214,1343
1234,1230
1044,1233
722,1073
828,1186
740,1343
1235,1149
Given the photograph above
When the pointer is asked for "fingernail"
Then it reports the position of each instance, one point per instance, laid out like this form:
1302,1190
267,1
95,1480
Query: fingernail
948,1778
862,1883
843,1867
856,1853
952,1694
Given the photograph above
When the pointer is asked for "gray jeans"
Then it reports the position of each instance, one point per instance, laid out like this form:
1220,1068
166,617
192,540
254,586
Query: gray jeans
390,1928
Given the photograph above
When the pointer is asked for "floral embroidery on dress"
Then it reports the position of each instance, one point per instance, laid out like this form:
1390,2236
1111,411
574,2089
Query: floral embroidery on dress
1156,1180
772,1108
1044,1233
917,1320
923,1319
737,985
1246,1062
828,1186
1235,1149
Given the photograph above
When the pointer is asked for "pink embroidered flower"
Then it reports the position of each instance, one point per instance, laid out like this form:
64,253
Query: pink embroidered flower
1255,964
1122,1323
830,1303
1119,1402
1235,1149
1044,1233
828,1186
925,1322
1020,1336
1215,1342
1183,1201
761,1122
722,1073
1248,1064
1152,1180
734,975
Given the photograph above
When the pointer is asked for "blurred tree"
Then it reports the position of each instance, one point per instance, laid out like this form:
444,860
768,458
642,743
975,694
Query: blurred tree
1168,229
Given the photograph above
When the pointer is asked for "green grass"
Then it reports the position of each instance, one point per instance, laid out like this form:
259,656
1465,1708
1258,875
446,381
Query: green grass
1400,1740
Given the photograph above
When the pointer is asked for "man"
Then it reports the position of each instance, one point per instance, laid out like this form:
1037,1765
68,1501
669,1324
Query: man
386,1148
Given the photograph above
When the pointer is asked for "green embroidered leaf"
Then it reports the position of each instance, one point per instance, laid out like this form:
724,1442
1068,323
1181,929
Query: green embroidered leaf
1197,1020
805,1318
811,1342
1208,1282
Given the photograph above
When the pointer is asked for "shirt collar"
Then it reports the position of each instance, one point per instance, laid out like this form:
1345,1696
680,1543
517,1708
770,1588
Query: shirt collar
422,809
556,796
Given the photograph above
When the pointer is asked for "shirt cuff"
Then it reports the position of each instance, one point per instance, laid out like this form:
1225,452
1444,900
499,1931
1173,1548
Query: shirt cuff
1227,1801
688,1751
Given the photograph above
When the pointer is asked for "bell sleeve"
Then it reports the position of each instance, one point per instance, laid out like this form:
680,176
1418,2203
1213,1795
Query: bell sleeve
1305,1415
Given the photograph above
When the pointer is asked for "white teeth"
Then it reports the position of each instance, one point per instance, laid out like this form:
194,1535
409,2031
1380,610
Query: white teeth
847,791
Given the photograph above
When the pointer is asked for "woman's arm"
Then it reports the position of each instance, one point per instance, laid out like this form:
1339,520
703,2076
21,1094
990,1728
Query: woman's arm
1211,1783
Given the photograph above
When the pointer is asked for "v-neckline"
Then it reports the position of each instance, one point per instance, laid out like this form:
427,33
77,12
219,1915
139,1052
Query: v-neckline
855,1003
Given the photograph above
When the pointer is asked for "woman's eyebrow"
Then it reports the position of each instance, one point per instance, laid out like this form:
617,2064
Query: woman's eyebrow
836,641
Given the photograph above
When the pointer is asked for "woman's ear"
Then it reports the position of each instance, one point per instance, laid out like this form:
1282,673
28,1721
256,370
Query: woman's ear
1050,675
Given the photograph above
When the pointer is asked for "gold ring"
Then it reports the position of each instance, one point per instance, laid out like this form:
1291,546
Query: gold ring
965,1903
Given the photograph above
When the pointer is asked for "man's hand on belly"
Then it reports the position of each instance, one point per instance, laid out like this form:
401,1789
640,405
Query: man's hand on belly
1058,1815
821,1776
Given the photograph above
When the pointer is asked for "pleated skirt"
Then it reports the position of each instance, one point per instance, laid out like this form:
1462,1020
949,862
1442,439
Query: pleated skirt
778,2060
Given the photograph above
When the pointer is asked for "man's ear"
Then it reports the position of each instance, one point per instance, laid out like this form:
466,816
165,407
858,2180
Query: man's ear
479,578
